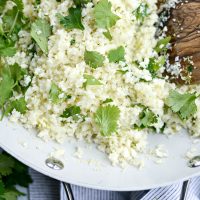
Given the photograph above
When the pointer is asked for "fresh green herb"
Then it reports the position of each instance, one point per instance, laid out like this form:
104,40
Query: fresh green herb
74,112
122,71
155,64
54,93
162,45
6,165
146,119
116,55
93,59
19,105
19,4
107,118
17,74
108,100
182,104
190,68
108,35
90,80
103,15
11,173
12,22
141,12
81,2
10,81
72,42
73,20
6,86
40,32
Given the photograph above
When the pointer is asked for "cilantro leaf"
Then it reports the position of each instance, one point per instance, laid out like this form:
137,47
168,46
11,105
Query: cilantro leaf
13,22
19,105
40,32
155,64
141,12
116,55
103,15
182,104
107,118
12,173
11,194
73,20
8,51
71,112
6,86
19,170
146,119
162,44
54,93
6,165
93,59
90,80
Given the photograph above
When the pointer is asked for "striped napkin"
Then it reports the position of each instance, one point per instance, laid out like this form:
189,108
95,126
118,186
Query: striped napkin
45,188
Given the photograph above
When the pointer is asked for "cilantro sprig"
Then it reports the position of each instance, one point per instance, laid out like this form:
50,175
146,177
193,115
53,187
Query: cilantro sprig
147,119
182,104
11,173
10,82
12,22
106,117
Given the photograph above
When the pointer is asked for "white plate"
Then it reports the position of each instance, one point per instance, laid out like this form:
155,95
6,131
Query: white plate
106,176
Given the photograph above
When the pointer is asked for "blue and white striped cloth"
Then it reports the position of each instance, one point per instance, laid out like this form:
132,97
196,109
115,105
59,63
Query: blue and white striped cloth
44,188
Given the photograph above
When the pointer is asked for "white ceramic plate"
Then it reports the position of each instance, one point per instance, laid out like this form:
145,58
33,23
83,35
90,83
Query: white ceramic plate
105,176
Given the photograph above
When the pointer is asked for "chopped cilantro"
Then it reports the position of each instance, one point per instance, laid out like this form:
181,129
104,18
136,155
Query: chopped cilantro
190,68
54,93
155,64
19,105
116,55
162,45
108,100
141,12
182,104
146,119
93,59
103,15
12,21
74,112
107,118
40,32
90,80
122,71
81,2
73,20
108,35
72,42
6,86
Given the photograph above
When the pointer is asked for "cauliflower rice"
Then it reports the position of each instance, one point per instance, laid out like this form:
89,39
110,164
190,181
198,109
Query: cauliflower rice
127,83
